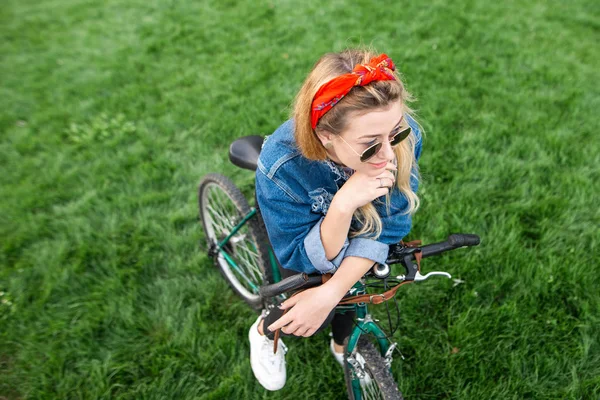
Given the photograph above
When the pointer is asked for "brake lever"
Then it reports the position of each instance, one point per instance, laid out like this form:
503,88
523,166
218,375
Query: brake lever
419,277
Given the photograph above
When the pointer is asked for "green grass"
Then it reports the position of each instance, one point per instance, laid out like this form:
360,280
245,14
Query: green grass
111,112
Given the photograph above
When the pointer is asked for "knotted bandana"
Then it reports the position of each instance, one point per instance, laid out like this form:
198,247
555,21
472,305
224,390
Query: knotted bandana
378,69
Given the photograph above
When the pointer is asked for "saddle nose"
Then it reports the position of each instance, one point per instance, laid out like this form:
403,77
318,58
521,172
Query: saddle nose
244,151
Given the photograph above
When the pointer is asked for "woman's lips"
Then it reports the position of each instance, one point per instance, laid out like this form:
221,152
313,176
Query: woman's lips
380,165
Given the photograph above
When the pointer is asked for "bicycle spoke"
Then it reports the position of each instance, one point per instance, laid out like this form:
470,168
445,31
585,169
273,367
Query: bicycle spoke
370,390
251,261
248,276
224,229
225,217
220,231
251,257
216,213
250,282
212,200
373,391
248,251
216,198
223,214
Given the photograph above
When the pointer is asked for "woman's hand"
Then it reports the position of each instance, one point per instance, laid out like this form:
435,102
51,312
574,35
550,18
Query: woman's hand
361,189
309,309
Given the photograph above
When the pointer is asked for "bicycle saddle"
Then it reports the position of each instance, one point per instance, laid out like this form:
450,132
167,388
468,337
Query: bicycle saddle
245,150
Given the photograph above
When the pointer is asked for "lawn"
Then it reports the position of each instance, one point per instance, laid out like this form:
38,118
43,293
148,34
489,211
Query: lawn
111,112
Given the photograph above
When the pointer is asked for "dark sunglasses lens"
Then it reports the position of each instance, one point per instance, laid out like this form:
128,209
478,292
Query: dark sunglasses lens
370,152
400,136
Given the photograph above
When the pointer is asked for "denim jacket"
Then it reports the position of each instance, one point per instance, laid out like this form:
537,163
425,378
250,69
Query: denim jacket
294,194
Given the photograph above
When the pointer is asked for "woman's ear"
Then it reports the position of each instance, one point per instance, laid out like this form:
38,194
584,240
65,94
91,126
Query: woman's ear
325,137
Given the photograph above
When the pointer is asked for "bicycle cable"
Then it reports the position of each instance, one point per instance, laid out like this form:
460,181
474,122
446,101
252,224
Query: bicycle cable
384,284
388,337
392,327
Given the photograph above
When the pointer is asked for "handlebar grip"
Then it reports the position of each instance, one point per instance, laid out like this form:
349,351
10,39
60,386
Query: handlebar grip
463,239
435,249
299,281
455,241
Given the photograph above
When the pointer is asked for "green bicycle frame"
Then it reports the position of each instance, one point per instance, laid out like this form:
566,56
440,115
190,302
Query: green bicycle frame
366,324
273,263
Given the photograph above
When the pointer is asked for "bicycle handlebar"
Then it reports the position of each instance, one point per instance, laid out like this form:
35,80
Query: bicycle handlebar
398,254
455,241
302,280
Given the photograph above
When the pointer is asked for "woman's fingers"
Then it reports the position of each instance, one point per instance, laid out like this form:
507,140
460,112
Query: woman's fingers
385,183
283,321
296,330
388,174
291,326
289,302
310,310
302,331
386,179
309,332
291,329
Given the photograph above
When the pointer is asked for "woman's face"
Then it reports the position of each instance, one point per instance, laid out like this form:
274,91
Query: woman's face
363,131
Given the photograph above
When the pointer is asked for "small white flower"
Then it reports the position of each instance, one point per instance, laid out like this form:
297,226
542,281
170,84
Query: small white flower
457,282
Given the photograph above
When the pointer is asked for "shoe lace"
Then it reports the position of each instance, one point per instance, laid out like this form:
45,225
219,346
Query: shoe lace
268,349
283,347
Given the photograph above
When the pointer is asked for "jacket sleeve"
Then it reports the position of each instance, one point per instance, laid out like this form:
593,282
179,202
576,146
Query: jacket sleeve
294,231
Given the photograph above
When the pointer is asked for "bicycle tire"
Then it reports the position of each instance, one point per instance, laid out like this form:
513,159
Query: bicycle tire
212,190
382,384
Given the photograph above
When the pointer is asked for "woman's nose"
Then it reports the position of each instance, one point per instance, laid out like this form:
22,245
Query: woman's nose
387,151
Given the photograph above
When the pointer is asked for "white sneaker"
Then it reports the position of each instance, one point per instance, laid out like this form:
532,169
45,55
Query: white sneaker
268,368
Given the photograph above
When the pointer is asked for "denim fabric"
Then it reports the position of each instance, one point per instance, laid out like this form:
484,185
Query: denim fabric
294,194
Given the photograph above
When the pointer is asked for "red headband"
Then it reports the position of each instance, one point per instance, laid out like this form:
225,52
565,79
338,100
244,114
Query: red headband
328,95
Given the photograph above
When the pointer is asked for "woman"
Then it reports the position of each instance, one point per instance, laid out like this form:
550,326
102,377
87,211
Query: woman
335,185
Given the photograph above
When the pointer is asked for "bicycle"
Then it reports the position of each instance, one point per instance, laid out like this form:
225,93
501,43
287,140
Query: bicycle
238,243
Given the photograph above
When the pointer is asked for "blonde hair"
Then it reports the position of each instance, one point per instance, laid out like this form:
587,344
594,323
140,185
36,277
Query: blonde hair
360,99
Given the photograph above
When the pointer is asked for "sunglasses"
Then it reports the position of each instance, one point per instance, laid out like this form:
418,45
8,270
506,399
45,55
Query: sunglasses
372,150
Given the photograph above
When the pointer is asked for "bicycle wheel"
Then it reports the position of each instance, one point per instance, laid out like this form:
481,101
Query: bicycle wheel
222,208
368,376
